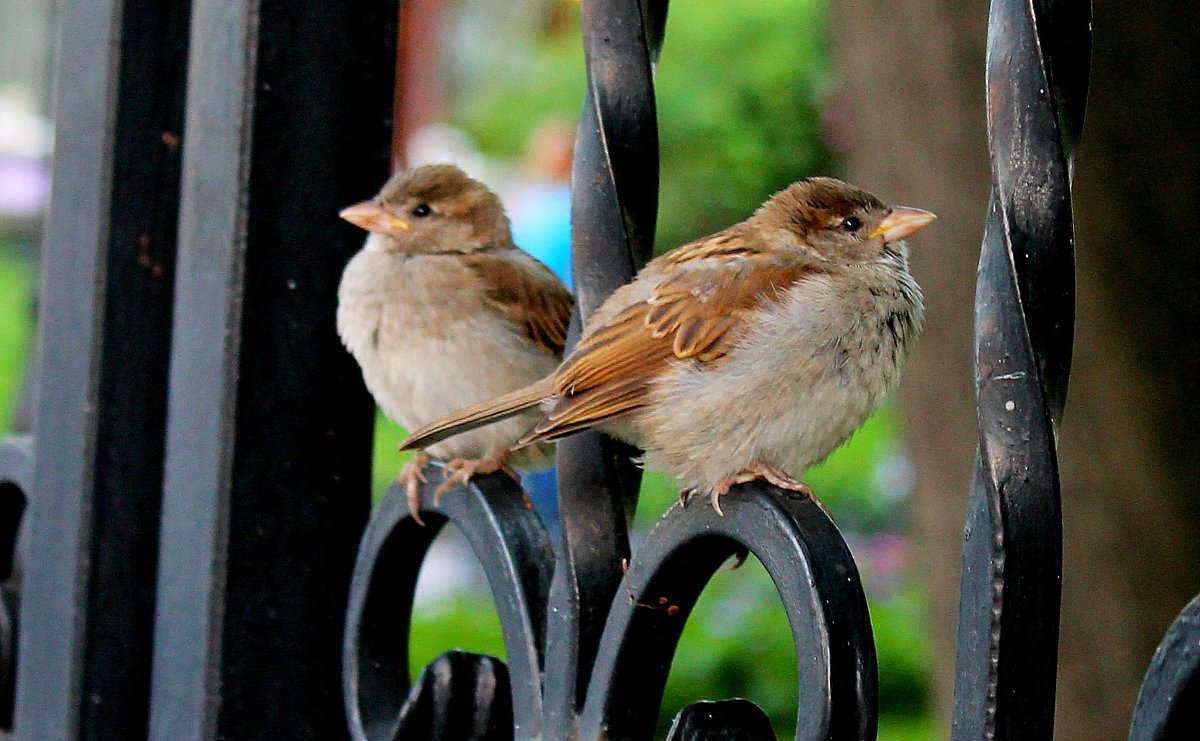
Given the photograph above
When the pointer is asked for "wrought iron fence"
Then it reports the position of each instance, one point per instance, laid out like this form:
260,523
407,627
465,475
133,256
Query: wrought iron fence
199,487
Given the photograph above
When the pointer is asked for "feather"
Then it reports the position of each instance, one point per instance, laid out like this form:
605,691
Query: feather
484,413
527,293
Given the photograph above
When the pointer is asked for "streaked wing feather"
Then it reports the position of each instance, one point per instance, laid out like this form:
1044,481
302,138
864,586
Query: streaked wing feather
694,314
526,292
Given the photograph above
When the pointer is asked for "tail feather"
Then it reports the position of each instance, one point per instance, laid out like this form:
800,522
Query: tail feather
483,413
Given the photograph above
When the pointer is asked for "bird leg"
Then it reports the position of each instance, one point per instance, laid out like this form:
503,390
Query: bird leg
410,475
757,471
462,470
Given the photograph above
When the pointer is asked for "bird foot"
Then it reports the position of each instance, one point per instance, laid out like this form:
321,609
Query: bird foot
411,476
462,470
756,471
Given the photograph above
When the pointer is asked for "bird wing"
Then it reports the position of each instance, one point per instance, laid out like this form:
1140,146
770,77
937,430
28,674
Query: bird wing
527,293
695,313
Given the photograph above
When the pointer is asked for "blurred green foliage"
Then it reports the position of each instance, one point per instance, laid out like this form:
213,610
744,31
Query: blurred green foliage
738,86
16,329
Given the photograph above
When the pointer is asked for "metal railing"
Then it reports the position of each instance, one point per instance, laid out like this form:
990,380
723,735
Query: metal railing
190,517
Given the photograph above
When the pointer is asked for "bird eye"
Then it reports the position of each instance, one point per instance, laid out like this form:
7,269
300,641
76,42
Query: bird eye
422,209
852,223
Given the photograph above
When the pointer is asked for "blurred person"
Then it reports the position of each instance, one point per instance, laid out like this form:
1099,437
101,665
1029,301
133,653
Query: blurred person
541,214
541,225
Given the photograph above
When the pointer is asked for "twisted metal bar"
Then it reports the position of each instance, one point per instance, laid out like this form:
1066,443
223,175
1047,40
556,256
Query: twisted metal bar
615,177
1037,67
614,203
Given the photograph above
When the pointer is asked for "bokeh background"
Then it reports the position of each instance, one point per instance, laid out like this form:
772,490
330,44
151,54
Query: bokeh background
753,95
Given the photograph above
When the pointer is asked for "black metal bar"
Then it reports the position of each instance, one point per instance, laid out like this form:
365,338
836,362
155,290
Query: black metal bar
1038,56
16,483
594,484
817,582
133,379
75,249
104,328
460,696
268,442
614,203
510,542
1168,704
724,719
615,178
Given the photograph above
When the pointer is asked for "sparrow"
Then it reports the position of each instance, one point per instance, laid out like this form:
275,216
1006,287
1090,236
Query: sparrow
749,354
440,310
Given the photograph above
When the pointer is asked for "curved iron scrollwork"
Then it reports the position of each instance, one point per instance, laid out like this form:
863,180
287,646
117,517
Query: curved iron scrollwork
1168,705
16,479
807,559
1038,55
814,575
810,564
511,543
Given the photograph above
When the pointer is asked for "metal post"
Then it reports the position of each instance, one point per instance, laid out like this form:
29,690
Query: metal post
106,293
268,441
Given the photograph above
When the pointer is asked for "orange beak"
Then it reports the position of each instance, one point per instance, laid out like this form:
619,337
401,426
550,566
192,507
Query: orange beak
372,216
901,222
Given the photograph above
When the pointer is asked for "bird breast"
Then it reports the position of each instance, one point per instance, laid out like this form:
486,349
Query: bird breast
428,345
805,373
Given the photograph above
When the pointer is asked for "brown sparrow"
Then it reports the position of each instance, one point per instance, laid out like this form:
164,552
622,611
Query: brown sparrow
441,310
749,354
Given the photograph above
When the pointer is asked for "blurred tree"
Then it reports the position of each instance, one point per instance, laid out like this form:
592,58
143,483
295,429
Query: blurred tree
914,93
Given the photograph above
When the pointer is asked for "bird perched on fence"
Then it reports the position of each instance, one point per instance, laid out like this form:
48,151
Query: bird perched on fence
441,309
749,354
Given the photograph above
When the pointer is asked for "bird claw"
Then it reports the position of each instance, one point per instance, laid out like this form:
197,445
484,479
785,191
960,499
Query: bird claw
758,472
715,498
687,494
462,470
778,478
410,476
456,472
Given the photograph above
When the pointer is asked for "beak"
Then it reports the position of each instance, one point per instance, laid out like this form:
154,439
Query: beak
373,217
902,222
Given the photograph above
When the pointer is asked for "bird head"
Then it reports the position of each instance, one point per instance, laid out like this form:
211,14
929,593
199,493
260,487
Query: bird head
432,209
839,222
